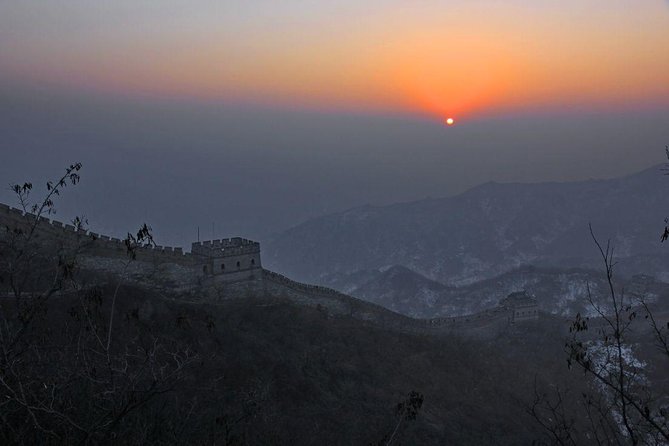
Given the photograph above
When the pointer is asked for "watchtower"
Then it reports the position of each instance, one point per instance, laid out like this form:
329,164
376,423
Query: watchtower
521,305
228,259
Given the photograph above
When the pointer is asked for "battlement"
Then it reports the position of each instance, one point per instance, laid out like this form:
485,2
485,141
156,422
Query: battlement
225,247
232,242
95,244
231,258
516,307
12,217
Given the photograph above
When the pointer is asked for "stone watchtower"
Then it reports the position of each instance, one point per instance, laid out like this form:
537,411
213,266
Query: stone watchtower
228,259
521,305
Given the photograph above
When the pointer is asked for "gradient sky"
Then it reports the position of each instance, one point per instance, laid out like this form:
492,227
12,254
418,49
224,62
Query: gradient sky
439,57
258,114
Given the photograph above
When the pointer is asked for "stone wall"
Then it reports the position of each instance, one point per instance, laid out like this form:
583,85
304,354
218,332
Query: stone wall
170,268
485,322
96,247
92,243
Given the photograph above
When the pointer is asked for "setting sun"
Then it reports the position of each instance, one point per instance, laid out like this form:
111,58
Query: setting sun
450,121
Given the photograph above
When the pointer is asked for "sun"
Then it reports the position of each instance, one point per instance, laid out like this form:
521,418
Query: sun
450,121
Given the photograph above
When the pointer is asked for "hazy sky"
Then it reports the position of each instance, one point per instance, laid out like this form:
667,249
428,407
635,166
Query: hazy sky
258,114
429,56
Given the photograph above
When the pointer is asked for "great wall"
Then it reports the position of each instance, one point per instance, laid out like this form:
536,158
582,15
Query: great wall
226,268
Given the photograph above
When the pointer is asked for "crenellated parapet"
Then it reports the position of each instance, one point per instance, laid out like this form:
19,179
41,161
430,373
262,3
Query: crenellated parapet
234,258
516,307
225,247
89,242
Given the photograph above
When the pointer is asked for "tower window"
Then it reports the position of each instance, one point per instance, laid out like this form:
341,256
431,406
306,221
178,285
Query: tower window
204,269
239,265
222,266
253,261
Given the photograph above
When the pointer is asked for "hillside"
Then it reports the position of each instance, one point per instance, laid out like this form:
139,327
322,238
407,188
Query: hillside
267,371
484,232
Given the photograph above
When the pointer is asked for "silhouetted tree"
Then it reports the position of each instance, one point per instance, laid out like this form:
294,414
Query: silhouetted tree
65,376
623,407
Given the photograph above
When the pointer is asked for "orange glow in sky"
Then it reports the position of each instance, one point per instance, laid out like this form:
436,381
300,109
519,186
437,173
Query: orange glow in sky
461,59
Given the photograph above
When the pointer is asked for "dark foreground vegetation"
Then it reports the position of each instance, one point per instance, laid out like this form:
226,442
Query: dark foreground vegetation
258,371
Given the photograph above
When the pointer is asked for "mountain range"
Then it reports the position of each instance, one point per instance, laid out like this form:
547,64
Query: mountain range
420,252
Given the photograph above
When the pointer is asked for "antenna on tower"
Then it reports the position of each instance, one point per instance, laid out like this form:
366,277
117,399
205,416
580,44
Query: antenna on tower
198,234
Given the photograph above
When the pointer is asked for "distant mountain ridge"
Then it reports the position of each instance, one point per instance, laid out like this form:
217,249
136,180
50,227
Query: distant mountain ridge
558,291
486,231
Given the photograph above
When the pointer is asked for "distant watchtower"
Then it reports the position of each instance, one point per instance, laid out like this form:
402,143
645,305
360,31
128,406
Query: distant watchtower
522,306
228,259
